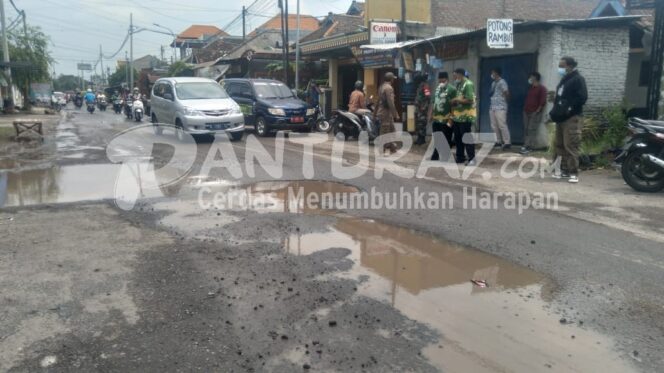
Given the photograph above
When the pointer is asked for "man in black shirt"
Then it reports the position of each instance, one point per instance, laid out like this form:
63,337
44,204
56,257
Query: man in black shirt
571,95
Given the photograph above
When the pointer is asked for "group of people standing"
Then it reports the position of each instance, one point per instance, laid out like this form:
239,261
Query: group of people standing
451,109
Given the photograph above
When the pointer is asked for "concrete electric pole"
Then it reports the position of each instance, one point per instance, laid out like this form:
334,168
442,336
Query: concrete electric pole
5,57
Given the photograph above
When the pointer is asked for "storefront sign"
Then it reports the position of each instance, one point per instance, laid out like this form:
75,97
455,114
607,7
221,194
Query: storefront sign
84,66
383,33
374,59
500,33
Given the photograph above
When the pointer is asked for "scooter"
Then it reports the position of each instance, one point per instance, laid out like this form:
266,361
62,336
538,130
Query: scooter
642,158
91,107
138,110
117,106
351,125
101,103
129,111
319,122
78,102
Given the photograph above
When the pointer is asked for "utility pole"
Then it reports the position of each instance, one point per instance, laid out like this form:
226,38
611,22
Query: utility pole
404,36
161,48
297,50
5,56
244,23
25,25
131,51
287,19
127,70
101,61
284,54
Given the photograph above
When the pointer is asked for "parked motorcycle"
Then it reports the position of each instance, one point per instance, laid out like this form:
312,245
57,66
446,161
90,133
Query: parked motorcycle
117,106
138,110
319,122
351,125
642,158
91,107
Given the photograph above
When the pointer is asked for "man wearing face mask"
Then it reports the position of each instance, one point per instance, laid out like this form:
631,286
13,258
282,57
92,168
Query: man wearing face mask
500,94
571,95
533,111
465,115
441,112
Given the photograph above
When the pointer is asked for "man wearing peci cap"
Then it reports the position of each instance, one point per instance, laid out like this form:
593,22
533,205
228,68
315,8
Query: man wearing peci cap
441,111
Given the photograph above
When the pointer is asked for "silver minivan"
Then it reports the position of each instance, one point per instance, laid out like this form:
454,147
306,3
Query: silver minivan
197,106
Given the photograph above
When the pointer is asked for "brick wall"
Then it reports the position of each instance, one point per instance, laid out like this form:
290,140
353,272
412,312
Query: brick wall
603,57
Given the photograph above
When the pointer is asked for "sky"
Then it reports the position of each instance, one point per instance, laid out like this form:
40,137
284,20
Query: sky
77,28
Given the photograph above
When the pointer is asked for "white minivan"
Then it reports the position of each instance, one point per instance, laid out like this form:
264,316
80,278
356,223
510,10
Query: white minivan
197,106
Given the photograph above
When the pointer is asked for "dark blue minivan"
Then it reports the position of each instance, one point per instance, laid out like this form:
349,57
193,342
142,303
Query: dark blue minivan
269,105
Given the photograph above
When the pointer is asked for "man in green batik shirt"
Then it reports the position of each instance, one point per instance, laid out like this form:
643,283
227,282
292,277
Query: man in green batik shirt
465,116
441,111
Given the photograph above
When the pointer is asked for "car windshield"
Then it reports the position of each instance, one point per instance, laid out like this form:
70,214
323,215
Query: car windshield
272,90
200,91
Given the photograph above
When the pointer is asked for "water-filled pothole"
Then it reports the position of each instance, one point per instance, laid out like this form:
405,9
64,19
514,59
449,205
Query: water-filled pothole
505,326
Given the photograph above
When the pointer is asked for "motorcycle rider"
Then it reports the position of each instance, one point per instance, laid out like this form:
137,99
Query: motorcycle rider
90,97
357,100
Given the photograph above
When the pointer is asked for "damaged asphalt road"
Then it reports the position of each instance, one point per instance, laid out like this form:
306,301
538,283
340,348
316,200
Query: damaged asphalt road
170,287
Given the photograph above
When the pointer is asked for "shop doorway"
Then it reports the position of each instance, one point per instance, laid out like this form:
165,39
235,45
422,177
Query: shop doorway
515,71
348,75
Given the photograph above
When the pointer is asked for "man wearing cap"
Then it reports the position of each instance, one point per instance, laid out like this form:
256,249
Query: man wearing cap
423,105
441,110
387,111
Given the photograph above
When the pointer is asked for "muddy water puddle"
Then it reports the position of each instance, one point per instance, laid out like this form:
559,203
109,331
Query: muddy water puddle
505,327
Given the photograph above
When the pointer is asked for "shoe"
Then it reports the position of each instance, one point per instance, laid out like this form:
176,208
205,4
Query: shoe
498,145
562,175
471,163
507,146
524,150
573,179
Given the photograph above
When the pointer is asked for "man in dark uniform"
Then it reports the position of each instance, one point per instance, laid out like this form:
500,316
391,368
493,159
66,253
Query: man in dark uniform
422,106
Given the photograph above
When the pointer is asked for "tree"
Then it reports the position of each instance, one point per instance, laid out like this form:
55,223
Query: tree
180,68
119,77
66,83
30,48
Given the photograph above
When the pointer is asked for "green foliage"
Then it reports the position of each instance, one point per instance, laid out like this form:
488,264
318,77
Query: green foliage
30,48
616,125
66,83
180,68
119,77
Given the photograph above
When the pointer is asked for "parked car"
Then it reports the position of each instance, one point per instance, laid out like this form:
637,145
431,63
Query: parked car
269,105
197,106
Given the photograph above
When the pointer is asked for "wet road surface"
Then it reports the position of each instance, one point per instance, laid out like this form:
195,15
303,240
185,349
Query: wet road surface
170,286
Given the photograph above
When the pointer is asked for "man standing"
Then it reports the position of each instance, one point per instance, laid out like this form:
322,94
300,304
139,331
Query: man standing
387,111
500,94
464,116
441,111
423,105
571,95
533,112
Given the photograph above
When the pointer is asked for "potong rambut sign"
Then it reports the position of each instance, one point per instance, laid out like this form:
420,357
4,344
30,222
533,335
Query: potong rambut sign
383,33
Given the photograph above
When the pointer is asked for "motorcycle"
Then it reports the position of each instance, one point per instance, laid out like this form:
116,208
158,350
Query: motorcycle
351,125
642,158
319,122
117,106
129,111
78,102
102,104
91,107
138,110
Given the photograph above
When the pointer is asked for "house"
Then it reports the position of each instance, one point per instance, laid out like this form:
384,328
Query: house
195,37
308,24
218,47
145,62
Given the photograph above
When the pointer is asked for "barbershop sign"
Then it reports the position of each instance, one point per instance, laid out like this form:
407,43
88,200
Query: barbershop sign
383,33
500,33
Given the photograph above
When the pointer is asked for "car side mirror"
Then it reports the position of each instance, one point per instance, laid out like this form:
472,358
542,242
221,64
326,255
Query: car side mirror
168,96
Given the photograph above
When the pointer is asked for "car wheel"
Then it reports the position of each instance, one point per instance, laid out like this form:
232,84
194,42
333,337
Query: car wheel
236,136
155,125
179,130
261,127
